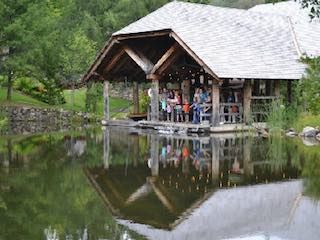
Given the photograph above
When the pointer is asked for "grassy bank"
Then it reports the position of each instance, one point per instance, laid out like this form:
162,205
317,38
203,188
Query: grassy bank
306,120
117,105
19,99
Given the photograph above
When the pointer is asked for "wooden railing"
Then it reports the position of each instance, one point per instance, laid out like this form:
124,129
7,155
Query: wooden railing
228,113
231,113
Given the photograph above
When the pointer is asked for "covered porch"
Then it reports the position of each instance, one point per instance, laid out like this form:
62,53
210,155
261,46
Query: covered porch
162,61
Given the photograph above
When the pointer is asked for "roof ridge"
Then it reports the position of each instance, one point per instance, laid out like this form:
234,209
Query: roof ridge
294,36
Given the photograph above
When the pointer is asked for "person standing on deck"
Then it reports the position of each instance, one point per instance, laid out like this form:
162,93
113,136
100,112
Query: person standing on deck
186,110
196,110
178,107
163,102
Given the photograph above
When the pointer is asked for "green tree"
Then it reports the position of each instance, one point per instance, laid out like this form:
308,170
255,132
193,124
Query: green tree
77,56
11,47
308,89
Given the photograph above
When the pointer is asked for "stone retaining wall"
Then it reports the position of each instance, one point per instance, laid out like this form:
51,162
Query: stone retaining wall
25,120
32,114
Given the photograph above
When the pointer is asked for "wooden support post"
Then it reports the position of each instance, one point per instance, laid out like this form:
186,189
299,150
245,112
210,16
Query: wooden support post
289,91
277,88
247,93
154,96
215,103
186,90
106,148
135,97
106,100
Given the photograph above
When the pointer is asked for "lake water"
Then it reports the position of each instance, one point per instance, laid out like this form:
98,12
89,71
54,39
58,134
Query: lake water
124,184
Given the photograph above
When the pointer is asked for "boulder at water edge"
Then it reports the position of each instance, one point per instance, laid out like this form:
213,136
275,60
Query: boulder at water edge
309,132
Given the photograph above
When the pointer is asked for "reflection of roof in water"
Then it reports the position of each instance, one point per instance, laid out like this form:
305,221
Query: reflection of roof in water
164,201
278,211
156,201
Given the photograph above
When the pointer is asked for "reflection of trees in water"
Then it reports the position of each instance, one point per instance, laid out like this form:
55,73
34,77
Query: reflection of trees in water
310,156
276,156
43,187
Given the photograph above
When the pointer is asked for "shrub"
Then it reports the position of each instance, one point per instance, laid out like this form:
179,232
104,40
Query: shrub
308,88
144,101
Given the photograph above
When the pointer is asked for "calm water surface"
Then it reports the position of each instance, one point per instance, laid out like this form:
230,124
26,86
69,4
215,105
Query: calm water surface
120,184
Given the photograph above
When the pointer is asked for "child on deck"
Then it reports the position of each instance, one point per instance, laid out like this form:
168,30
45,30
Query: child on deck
186,110
196,110
163,108
178,107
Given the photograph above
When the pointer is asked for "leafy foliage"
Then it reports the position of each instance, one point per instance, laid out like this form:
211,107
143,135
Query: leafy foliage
54,42
309,88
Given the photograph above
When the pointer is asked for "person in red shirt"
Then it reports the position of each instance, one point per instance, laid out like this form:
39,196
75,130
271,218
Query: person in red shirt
186,110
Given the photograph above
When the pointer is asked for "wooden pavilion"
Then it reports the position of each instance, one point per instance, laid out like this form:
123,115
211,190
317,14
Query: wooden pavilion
249,53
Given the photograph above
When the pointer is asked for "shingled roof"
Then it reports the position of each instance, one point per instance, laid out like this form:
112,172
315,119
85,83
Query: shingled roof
307,32
238,43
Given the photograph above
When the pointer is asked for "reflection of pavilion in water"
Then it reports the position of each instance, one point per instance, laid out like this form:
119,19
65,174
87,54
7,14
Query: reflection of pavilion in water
177,175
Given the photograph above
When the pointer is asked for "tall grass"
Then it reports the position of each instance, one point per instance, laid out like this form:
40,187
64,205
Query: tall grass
280,116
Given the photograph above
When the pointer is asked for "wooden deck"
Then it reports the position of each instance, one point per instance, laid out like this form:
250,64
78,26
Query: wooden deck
183,128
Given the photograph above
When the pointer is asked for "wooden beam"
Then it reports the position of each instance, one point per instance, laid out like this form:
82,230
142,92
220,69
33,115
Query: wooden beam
107,47
113,61
143,62
153,77
144,35
165,57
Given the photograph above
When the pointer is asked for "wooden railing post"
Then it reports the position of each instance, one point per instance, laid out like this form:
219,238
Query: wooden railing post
154,96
